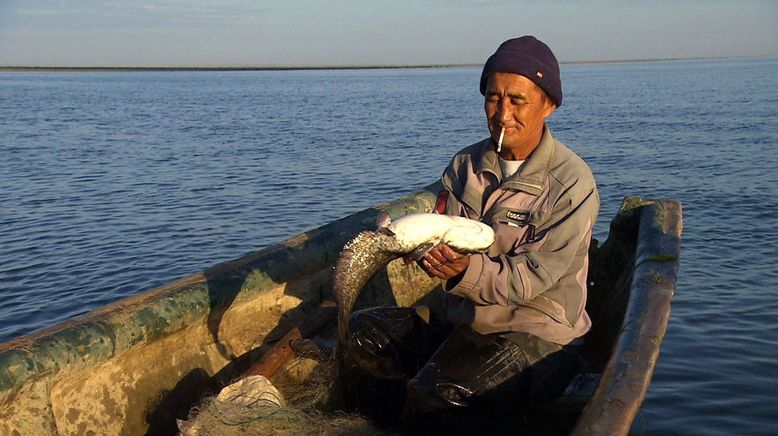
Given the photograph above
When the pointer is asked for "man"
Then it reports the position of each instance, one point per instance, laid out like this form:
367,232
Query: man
518,310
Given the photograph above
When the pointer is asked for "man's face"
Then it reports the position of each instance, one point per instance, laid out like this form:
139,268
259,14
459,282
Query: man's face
516,103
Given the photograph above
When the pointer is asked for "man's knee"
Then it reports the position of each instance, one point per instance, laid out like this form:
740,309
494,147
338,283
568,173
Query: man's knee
468,368
471,369
389,342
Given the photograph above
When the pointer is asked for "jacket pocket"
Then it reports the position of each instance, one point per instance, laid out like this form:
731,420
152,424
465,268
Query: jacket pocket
550,308
513,228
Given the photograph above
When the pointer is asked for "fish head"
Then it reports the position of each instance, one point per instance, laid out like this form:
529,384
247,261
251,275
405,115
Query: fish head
468,236
414,230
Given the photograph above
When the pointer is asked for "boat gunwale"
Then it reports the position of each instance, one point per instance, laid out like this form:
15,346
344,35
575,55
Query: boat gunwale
54,351
627,374
101,334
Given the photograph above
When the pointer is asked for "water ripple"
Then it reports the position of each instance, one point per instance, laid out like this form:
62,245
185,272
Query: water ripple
115,183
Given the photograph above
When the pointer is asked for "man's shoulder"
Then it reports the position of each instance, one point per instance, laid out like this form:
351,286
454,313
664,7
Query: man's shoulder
463,164
567,165
472,151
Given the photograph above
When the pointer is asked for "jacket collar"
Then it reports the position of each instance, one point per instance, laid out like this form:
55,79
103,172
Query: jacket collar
532,174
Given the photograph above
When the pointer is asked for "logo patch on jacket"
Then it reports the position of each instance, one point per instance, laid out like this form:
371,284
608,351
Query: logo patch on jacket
518,217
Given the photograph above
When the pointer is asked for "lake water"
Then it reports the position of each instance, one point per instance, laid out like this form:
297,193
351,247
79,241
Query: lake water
112,183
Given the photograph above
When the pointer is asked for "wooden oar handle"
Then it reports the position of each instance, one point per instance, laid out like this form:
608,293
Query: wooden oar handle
282,351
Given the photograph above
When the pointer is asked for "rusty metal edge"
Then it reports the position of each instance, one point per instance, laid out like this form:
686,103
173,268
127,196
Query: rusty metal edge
627,375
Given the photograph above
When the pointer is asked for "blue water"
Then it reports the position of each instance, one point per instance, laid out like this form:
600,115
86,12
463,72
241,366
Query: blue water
112,183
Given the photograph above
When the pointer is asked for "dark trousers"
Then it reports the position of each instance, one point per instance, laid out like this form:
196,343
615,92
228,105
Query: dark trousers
457,369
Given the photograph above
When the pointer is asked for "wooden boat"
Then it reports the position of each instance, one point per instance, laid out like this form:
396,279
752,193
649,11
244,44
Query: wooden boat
135,366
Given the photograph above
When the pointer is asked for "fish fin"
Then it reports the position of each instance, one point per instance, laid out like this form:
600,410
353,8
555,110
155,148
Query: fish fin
383,220
421,250
385,231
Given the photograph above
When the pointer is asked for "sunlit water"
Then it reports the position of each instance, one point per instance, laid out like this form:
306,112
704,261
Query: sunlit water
112,183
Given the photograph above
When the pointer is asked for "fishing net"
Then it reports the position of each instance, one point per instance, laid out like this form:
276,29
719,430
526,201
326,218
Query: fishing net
295,403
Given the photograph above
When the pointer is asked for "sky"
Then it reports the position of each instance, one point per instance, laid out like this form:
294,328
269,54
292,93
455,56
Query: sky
209,33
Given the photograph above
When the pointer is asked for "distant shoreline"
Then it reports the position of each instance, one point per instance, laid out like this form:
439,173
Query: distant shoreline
325,67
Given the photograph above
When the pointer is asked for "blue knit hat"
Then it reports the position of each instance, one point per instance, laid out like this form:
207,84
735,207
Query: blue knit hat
530,58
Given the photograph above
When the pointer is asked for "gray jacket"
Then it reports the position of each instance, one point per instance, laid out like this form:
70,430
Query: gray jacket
533,278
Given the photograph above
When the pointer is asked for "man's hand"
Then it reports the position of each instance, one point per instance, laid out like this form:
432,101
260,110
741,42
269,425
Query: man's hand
444,262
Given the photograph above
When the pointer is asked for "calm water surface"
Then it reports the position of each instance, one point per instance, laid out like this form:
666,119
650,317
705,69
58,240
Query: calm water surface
112,183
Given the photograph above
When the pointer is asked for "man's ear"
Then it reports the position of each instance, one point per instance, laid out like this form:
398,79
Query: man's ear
549,108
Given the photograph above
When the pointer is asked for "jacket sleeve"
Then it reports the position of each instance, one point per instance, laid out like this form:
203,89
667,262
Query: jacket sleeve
541,261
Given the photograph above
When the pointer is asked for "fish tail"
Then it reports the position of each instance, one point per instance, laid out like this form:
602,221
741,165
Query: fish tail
358,262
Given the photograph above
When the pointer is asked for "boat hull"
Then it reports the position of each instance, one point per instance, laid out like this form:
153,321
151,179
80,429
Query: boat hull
135,366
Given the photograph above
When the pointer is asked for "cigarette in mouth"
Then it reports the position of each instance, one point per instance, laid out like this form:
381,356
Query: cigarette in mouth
499,142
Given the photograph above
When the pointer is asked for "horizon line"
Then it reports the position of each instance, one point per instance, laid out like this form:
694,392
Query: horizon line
19,68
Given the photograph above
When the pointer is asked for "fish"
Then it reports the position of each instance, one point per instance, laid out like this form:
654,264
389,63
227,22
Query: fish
415,234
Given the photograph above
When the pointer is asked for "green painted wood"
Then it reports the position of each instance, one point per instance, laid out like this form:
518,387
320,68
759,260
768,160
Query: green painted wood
96,337
657,226
632,274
